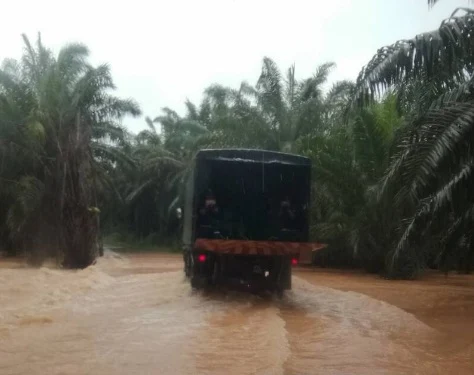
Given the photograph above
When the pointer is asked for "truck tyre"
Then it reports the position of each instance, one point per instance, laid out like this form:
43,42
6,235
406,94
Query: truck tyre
279,292
216,270
198,282
286,275
187,264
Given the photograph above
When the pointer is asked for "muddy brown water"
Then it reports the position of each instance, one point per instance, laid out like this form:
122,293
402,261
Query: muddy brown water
136,314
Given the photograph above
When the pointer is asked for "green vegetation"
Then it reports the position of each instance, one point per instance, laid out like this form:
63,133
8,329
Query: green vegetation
56,122
392,153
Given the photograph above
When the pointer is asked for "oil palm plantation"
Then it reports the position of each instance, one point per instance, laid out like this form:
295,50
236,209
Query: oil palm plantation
51,109
243,117
430,177
161,154
348,162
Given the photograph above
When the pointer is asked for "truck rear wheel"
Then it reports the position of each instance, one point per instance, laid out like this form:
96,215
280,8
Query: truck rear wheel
279,292
197,281
187,264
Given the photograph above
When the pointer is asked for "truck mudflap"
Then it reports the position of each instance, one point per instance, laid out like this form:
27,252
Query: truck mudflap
244,247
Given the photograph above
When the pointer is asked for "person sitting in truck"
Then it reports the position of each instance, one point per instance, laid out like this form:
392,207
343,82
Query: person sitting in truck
287,214
209,214
210,205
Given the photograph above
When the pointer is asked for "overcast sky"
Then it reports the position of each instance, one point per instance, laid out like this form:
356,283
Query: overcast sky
162,52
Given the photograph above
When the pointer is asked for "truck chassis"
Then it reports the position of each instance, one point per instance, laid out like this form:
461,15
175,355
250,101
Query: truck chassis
208,264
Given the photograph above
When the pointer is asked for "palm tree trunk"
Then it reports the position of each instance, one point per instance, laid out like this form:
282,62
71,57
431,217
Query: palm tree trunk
79,222
100,245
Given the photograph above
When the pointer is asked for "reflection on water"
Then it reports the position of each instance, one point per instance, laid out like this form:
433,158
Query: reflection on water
138,315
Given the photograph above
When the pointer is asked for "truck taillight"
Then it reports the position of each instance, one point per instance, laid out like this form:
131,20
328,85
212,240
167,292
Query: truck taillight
294,261
202,258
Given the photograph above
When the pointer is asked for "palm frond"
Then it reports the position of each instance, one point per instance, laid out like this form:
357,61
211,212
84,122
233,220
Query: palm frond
291,87
271,91
449,48
11,67
322,73
311,87
135,194
151,125
205,111
109,130
157,161
192,112
436,205
247,90
340,92
28,197
89,87
444,133
460,93
112,107
168,113
29,59
454,194
71,61
457,231
148,137
192,127
218,96
370,144
112,153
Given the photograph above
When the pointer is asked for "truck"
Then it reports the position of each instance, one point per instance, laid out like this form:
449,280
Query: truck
246,218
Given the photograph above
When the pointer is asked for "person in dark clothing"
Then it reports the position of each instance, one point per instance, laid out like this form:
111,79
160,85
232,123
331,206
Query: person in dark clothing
287,215
210,205
209,215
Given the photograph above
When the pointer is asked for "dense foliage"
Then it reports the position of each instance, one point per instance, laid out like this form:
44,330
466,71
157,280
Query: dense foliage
392,153
55,117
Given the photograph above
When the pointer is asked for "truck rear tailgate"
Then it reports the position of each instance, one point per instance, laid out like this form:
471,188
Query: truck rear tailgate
243,247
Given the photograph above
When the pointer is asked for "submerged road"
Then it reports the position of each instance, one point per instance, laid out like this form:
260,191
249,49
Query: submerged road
136,314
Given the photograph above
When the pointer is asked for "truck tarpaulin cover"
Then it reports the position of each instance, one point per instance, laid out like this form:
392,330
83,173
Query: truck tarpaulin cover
261,201
252,156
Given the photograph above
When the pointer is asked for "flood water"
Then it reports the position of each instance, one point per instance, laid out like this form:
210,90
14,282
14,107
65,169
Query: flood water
136,314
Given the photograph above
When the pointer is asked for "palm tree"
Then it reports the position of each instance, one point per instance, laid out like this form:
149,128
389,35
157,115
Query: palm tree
162,159
64,103
430,175
291,109
348,162
434,169
21,141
